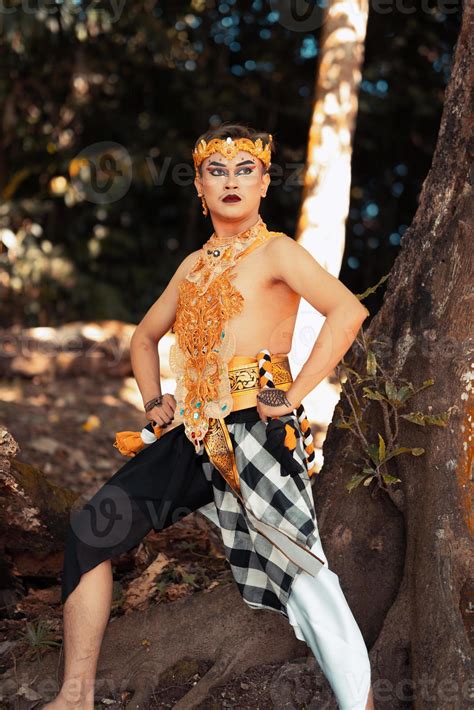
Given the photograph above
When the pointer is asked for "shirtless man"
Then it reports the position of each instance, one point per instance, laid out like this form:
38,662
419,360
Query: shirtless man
272,279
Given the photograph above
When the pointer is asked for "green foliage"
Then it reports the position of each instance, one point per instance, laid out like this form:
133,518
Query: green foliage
378,387
39,637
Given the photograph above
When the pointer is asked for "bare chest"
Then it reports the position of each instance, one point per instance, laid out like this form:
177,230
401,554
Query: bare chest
269,307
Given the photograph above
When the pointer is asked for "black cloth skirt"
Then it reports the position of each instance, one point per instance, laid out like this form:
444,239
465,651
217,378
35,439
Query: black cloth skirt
161,484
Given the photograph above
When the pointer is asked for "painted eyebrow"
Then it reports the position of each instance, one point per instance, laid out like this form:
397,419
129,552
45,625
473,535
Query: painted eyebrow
222,165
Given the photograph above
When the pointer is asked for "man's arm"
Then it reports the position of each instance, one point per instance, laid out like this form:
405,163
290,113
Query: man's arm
154,325
292,263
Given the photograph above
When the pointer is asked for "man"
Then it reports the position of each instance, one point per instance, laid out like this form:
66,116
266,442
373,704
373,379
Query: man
233,441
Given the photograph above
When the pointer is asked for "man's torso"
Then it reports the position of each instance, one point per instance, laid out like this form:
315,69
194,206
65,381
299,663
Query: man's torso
268,317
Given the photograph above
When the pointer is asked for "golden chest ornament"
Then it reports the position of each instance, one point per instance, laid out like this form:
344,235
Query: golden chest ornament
198,359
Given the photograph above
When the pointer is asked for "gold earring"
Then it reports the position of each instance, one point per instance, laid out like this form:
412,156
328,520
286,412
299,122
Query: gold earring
204,205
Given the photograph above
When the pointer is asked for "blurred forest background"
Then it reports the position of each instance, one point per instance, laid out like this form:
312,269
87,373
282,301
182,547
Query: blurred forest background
150,77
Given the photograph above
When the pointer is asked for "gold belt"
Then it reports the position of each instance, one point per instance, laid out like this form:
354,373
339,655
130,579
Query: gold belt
244,376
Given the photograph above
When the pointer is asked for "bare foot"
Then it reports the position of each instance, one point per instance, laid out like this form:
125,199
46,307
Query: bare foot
370,700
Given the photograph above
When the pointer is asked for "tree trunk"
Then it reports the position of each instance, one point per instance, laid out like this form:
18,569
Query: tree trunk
405,569
327,179
33,521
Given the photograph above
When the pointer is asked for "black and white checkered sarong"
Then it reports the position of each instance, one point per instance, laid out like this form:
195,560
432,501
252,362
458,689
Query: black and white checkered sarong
262,572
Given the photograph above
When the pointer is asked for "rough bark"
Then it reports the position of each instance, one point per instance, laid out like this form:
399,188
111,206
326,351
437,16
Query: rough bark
406,574
33,520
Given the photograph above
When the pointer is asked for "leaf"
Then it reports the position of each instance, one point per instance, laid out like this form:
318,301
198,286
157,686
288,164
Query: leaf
137,595
440,419
93,422
396,452
405,393
190,578
373,451
420,418
381,448
417,451
353,372
370,394
415,418
391,391
355,481
371,363
340,419
390,479
342,425
368,480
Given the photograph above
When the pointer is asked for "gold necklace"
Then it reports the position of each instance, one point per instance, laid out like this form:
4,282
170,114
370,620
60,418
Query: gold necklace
217,259
244,236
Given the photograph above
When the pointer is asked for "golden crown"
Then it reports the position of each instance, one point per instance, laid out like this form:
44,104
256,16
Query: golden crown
229,148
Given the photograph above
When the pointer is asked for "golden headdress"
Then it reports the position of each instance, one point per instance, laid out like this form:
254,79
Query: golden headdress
229,147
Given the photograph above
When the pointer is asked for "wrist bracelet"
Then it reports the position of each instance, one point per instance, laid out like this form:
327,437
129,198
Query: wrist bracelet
153,402
273,397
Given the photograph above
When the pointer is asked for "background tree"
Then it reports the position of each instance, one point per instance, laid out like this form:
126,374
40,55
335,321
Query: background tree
321,226
327,178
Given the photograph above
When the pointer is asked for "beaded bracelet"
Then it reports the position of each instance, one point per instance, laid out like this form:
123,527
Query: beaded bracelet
273,397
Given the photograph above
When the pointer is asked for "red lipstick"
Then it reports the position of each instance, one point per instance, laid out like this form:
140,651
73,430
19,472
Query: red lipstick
231,198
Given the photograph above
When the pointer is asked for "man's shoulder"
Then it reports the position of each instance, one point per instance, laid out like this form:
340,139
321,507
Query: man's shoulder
283,250
189,261
279,240
275,235
193,256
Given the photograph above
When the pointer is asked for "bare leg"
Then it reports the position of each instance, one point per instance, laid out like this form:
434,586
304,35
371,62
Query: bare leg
112,522
86,614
